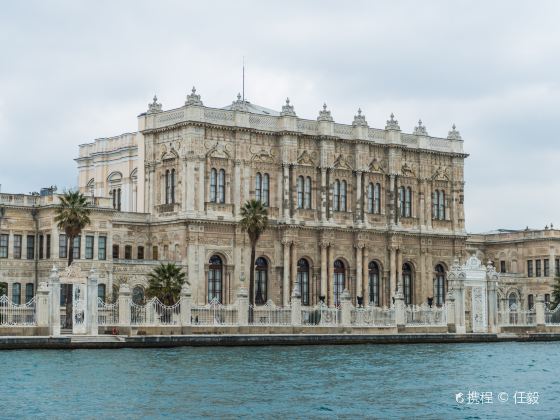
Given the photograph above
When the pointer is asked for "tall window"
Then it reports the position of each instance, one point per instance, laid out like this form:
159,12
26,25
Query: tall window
537,268
439,285
16,293
155,255
102,248
221,186
307,193
502,266
512,301
303,280
407,283
546,267
128,252
217,186
101,292
405,201
343,196
138,295
28,292
213,185
373,269
339,280
336,195
530,302
4,245
529,268
30,247
115,252
374,198
438,205
140,254
170,186
215,270
62,246
89,247
262,188
17,246
48,250
77,244
300,188
261,280
41,246
116,198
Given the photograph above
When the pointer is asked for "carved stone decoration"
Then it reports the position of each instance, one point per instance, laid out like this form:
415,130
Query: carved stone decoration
375,166
441,174
218,150
239,105
288,110
341,162
359,120
407,170
193,98
262,154
168,155
420,130
392,123
324,115
72,274
154,107
306,158
454,134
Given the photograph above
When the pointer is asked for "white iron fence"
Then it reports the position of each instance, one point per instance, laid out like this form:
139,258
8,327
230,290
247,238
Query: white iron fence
155,313
552,316
519,317
270,314
426,315
373,316
14,315
320,314
107,313
214,313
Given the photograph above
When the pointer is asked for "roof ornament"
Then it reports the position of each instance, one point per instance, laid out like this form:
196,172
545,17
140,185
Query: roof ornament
324,115
454,134
288,109
392,124
193,98
420,130
239,105
154,107
359,120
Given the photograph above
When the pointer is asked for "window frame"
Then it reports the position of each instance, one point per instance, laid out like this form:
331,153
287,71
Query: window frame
18,242
90,242
102,250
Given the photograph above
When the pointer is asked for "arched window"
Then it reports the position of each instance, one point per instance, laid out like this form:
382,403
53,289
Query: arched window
336,195
408,202
370,197
377,198
307,193
172,185
215,270
339,280
441,205
439,285
213,185
16,293
300,188
101,292
343,196
221,186
138,295
261,280
407,283
119,199
167,187
303,280
258,186
266,190
373,269
512,302
530,302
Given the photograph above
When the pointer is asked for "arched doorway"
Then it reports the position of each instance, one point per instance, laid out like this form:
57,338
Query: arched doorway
215,271
439,285
407,283
339,280
261,280
373,270
303,280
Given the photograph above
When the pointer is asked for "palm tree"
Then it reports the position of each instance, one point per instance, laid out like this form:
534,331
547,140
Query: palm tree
254,220
165,283
72,215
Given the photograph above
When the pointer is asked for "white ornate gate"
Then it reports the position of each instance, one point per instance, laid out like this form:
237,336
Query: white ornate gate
79,308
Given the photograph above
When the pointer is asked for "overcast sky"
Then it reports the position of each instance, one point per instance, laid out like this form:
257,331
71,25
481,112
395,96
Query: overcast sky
71,72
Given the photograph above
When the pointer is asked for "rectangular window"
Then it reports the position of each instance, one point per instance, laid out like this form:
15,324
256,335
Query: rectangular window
546,267
502,266
115,252
155,255
77,246
62,246
4,245
530,302
28,292
102,248
41,246
538,268
128,252
17,246
30,247
140,252
89,247
16,293
48,253
557,267
529,268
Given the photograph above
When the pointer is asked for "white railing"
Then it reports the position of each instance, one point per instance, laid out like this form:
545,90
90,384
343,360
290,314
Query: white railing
270,314
320,314
373,316
214,313
517,317
14,315
107,313
155,313
426,315
552,316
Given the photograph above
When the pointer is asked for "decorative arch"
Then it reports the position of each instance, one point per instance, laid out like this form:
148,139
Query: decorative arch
374,280
303,279
408,282
339,281
115,176
215,278
262,266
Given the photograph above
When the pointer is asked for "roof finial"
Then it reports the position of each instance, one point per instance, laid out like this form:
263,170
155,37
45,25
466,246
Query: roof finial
193,98
420,130
288,109
392,123
359,120
324,115
454,133
154,107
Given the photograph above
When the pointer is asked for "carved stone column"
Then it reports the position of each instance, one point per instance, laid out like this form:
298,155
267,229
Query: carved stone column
286,272
286,191
393,273
365,278
359,279
293,267
323,292
330,275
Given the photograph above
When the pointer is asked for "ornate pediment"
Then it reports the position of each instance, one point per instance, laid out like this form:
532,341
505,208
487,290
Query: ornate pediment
407,170
441,174
218,150
306,158
375,166
168,153
342,163
262,154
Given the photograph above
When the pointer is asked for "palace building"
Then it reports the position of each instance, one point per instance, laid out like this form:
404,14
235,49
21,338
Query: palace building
350,207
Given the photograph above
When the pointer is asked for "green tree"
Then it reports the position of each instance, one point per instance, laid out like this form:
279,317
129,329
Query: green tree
72,215
165,282
254,220
555,301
